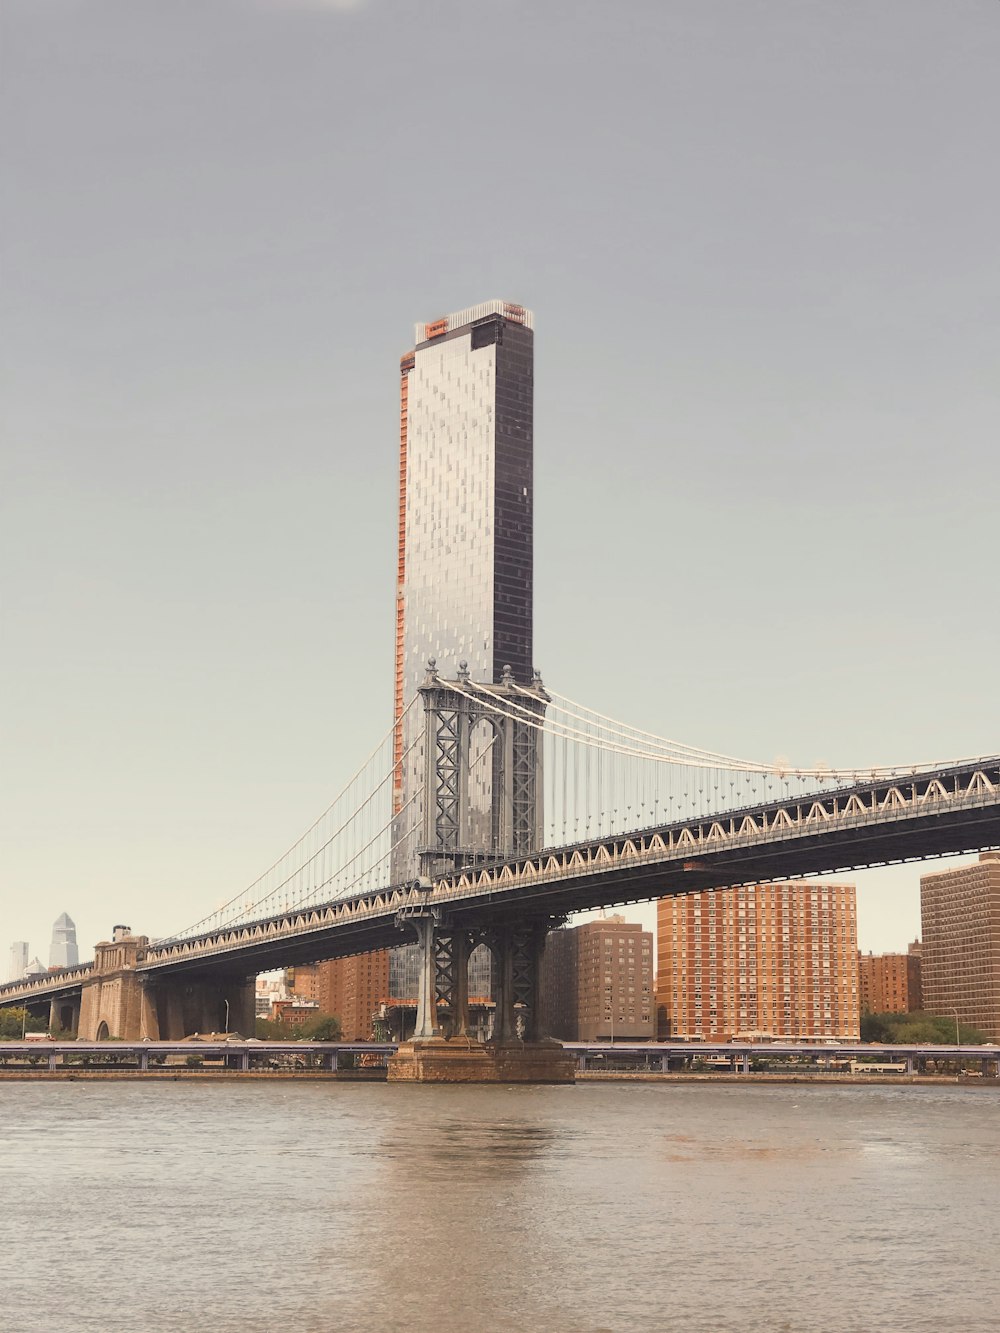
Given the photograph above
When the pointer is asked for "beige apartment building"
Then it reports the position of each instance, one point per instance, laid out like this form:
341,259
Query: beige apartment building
960,925
598,982
889,983
778,960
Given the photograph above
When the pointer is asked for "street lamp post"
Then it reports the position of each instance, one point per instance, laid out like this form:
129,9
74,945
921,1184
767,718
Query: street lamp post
226,1003
957,1039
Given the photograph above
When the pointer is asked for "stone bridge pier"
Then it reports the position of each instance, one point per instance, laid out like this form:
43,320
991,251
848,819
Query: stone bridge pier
64,1013
442,1048
120,1000
185,1005
114,1002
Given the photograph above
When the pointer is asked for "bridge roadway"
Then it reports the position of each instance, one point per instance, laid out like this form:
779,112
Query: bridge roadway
933,814
909,817
248,1054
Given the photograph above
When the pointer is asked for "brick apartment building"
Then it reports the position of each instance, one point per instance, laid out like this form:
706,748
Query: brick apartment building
774,959
598,982
303,982
960,926
889,983
352,989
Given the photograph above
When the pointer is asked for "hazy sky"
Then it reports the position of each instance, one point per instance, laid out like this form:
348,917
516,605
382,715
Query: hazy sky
760,239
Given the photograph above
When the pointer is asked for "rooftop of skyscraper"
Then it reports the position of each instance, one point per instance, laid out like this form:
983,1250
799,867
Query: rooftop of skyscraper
460,318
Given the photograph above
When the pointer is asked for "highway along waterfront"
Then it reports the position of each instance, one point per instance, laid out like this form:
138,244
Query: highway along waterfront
238,1207
222,1055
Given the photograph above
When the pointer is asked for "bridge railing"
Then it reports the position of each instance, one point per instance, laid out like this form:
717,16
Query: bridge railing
655,845
64,979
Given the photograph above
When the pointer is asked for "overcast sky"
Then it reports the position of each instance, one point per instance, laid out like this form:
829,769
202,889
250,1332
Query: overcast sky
760,239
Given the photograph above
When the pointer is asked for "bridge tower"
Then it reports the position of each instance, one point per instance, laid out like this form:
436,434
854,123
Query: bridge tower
460,830
482,802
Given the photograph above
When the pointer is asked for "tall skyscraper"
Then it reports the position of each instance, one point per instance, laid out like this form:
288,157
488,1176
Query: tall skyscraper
465,560
63,951
775,959
464,580
464,570
960,959
18,962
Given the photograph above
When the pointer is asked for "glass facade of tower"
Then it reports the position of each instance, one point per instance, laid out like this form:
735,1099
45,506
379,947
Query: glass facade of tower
467,540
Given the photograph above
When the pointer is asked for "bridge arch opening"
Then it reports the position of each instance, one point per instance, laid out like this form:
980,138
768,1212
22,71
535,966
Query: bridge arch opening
103,1034
485,768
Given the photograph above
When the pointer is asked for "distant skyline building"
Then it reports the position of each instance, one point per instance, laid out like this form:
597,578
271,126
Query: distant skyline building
889,983
17,963
267,990
598,982
773,959
960,930
63,951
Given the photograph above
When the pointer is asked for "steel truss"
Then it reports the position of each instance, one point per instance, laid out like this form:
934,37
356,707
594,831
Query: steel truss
443,992
452,711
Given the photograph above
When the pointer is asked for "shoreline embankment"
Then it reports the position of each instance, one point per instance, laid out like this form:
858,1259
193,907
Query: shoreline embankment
175,1075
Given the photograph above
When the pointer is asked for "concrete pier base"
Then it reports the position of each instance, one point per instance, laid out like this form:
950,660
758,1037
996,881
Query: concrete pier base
462,1060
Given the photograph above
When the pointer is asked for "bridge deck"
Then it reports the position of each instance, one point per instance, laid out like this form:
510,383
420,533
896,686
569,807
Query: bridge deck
906,818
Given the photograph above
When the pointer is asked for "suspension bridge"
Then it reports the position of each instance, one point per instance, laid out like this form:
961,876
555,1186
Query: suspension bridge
486,814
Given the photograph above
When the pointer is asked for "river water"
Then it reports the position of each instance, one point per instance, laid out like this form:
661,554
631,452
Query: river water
328,1208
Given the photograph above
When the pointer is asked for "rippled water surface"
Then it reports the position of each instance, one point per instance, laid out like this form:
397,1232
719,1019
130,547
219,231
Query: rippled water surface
318,1208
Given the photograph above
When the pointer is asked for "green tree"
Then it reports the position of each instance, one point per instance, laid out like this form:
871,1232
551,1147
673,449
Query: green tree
917,1029
12,1024
268,1029
322,1027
